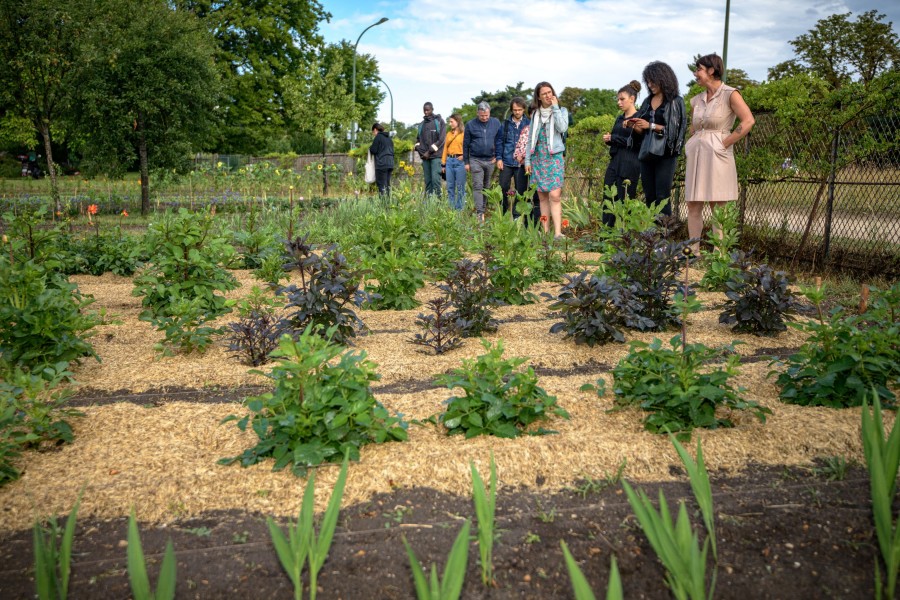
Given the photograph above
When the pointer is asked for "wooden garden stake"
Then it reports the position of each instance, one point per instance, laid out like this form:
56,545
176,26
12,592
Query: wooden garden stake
863,298
291,214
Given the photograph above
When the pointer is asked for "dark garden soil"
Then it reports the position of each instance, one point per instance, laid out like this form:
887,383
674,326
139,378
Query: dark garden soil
783,532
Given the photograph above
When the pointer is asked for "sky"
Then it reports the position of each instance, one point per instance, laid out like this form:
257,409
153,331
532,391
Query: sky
448,51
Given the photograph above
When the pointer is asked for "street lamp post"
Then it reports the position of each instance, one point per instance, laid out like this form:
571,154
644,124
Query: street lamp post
379,22
391,94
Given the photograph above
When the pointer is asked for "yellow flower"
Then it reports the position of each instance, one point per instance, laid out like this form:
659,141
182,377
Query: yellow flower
320,166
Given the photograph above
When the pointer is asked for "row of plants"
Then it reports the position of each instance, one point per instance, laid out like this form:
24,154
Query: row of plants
689,552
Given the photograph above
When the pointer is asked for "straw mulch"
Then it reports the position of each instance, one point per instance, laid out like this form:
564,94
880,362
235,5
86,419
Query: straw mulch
162,459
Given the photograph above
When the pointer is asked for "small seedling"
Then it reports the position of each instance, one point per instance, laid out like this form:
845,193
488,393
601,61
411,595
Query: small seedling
485,505
137,568
450,585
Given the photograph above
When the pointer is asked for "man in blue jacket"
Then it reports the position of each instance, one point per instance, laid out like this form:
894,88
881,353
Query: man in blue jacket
482,148
511,170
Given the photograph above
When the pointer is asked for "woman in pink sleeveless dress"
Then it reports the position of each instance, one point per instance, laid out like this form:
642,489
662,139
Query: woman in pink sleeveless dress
710,174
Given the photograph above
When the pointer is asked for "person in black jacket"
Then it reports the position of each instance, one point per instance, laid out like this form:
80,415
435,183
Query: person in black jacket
624,169
430,145
382,150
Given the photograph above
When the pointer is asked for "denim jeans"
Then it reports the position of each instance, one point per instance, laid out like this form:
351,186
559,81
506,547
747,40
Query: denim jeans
432,169
456,183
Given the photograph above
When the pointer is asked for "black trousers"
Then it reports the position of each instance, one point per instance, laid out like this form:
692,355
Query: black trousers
657,173
383,181
507,176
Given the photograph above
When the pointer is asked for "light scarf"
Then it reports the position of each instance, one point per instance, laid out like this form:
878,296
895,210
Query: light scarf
545,116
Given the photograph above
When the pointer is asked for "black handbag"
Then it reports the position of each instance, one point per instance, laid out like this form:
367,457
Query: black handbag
652,145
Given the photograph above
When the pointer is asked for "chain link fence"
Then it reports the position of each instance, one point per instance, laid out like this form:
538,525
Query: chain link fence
816,198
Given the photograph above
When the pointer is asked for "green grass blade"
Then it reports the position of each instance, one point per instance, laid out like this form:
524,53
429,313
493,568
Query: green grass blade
65,549
323,542
44,577
455,569
419,580
580,585
614,588
284,551
137,568
484,511
165,584
702,490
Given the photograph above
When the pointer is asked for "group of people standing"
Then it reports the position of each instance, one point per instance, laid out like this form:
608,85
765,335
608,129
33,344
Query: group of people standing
645,142
644,145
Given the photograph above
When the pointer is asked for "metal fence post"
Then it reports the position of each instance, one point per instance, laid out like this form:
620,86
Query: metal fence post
829,204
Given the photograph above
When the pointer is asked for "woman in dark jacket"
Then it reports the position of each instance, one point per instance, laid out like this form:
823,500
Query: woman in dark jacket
382,150
662,115
624,170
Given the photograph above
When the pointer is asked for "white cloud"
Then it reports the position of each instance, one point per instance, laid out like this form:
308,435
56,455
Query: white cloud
448,52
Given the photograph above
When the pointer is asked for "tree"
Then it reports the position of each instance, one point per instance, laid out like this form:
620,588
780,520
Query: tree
840,50
588,102
260,45
148,86
498,101
38,49
318,98
368,93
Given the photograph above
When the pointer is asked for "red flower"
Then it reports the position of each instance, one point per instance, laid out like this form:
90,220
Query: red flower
124,213
92,209
544,218
565,222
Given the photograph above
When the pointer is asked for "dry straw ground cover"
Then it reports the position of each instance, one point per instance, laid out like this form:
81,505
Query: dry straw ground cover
160,456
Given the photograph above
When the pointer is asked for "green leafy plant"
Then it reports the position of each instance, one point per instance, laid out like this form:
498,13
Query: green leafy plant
580,586
255,335
498,399
39,404
670,384
51,562
187,264
699,477
271,269
109,251
719,265
845,355
449,586
759,298
834,468
184,325
550,264
629,216
469,289
328,294
440,330
321,408
42,316
399,275
882,459
137,568
302,545
511,255
442,244
676,545
595,308
485,500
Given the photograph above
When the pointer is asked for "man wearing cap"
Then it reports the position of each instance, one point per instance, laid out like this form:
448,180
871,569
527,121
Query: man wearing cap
482,148
430,145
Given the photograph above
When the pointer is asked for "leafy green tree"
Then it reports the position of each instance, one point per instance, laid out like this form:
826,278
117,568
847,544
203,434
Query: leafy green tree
260,45
840,50
368,92
499,102
148,87
588,102
38,50
318,98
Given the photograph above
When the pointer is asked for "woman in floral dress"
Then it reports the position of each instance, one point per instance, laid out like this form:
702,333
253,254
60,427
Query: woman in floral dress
544,160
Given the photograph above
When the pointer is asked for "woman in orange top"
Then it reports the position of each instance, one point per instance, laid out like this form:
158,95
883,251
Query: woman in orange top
452,162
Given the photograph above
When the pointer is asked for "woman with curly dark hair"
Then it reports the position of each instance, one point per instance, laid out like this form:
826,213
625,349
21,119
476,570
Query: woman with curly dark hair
662,119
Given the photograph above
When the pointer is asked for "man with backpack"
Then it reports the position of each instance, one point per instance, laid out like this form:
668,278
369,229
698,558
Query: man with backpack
482,148
430,145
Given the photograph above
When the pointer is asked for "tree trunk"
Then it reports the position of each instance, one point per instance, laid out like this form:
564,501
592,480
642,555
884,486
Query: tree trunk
145,167
51,167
